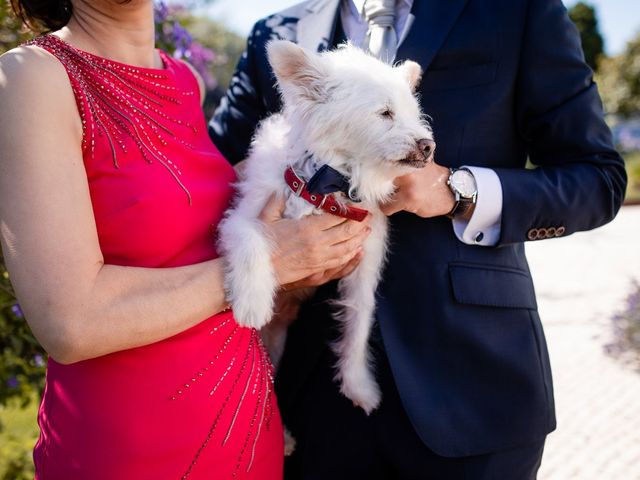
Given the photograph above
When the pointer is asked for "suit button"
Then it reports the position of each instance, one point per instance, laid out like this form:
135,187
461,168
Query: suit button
542,233
551,232
532,234
560,231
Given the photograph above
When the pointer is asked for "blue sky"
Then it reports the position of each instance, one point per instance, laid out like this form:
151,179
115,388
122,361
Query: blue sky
619,19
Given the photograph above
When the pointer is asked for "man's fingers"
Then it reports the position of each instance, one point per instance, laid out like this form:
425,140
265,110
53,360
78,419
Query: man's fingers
391,208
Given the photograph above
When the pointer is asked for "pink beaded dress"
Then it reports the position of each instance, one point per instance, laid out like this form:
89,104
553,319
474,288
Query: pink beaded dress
199,405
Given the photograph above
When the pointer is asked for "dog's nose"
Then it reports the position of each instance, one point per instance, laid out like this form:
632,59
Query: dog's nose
426,146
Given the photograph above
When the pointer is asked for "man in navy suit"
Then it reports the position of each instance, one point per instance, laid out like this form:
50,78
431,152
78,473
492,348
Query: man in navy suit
460,352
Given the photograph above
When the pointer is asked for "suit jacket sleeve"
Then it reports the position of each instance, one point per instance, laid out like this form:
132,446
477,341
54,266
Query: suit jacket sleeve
580,180
241,109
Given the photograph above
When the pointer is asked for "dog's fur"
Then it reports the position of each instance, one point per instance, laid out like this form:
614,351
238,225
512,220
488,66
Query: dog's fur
359,116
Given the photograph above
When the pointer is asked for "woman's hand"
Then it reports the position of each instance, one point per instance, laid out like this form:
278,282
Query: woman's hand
314,249
325,276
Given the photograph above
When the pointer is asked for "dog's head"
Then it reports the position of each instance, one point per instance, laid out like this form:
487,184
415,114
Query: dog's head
354,112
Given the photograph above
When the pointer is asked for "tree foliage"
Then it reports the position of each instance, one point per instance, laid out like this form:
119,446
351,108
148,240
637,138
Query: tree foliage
227,45
619,80
585,19
205,43
22,360
12,33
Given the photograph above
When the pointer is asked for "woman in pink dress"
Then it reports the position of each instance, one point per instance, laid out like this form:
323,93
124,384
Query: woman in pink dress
110,193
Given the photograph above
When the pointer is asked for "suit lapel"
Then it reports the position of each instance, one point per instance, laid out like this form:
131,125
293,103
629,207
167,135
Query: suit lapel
407,28
435,20
315,27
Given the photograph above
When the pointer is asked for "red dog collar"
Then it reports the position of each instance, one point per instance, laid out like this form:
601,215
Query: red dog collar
327,202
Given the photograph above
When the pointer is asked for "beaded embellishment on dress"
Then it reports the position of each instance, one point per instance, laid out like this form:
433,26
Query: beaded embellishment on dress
258,384
123,100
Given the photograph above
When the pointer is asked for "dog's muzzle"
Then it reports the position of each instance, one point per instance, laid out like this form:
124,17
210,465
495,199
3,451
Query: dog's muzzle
427,147
422,155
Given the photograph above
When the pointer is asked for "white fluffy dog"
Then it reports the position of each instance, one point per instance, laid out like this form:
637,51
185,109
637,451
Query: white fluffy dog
357,120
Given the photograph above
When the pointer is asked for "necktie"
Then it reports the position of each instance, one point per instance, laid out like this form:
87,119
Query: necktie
381,40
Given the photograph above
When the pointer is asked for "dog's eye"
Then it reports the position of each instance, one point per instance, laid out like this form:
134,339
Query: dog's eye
386,113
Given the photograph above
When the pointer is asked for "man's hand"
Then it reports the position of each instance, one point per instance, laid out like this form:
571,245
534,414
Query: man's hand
424,192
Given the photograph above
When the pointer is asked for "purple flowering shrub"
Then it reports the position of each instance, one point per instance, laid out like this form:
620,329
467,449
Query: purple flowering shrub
22,359
173,37
625,345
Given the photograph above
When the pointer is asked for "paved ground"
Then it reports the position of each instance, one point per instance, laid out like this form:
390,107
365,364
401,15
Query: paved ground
581,281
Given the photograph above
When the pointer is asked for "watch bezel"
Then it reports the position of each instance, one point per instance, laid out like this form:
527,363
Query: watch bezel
455,188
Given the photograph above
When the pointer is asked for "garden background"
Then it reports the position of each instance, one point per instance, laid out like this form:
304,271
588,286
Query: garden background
587,284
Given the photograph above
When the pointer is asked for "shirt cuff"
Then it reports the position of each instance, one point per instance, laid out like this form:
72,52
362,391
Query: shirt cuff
483,228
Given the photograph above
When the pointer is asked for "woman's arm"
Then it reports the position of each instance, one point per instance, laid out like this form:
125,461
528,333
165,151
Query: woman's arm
77,306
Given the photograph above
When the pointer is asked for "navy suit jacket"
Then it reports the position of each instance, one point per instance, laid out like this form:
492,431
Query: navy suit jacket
505,81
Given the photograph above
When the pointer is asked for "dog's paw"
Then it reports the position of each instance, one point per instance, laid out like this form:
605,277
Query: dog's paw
289,443
362,389
251,318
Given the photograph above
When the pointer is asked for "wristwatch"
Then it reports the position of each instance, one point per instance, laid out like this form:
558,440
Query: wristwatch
463,185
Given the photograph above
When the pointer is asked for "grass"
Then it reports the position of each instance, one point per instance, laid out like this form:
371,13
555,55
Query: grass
18,435
632,162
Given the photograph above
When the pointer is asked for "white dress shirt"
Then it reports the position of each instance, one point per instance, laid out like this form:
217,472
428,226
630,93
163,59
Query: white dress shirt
484,226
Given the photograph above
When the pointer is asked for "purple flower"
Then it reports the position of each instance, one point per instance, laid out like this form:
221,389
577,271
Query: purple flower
173,37
13,382
38,360
201,57
17,311
181,39
625,343
160,11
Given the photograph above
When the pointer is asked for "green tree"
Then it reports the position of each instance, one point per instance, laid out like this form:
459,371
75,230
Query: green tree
227,44
12,33
619,80
585,18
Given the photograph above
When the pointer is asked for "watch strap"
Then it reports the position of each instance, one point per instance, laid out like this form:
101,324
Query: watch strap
461,207
463,204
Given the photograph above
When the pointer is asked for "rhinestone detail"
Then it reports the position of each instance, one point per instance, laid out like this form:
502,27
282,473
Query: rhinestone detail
253,378
117,101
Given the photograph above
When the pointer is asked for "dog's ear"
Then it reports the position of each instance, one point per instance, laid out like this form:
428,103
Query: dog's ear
412,73
296,68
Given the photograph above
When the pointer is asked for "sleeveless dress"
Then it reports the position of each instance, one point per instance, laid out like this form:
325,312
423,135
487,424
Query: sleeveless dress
198,405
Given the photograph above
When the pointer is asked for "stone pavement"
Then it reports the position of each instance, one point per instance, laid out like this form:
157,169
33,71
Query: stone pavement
581,281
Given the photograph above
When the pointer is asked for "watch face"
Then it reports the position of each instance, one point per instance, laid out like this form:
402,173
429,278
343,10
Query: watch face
464,183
